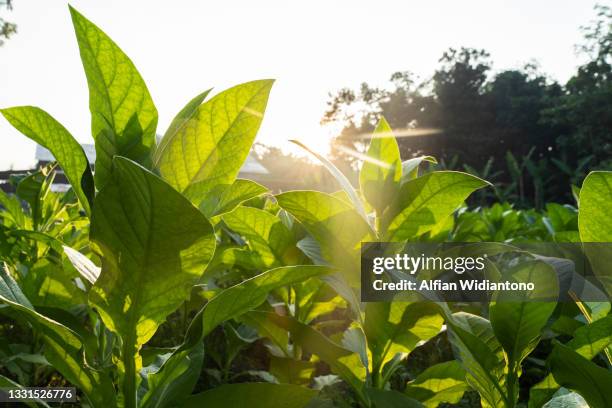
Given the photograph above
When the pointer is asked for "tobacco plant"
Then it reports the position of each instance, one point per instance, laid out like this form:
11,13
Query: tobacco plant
148,205
394,204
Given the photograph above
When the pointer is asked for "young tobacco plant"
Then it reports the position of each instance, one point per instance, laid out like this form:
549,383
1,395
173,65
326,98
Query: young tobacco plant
394,204
33,238
570,363
492,351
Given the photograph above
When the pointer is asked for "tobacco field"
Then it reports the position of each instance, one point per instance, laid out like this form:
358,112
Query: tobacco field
162,280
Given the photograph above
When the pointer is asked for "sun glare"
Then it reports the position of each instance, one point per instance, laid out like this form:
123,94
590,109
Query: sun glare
318,138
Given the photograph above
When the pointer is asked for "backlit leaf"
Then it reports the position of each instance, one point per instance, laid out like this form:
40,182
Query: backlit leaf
397,328
381,172
231,197
595,223
518,318
154,245
426,201
336,225
578,374
123,116
210,147
480,355
39,126
443,382
180,120
589,340
265,233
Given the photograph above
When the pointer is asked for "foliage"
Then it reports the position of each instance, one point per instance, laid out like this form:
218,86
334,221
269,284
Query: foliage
162,280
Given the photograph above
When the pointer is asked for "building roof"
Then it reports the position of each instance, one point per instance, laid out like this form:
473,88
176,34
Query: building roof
251,164
44,155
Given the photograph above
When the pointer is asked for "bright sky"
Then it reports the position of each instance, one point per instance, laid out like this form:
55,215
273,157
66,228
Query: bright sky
311,48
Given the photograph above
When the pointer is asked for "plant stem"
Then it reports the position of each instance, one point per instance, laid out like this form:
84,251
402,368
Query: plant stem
129,376
378,221
512,380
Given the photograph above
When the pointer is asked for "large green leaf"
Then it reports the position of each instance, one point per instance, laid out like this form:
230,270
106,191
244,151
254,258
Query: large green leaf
290,371
266,234
335,224
253,395
246,296
173,384
180,120
210,147
268,329
397,328
63,347
424,202
593,338
344,362
123,116
480,355
41,127
381,172
154,245
577,373
518,318
443,382
231,197
342,180
589,340
595,223
50,284
595,216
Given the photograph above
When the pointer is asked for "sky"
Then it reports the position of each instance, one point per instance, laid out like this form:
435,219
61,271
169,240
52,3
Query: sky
311,48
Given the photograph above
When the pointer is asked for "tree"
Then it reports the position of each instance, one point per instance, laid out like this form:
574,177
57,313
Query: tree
584,111
6,28
459,88
462,115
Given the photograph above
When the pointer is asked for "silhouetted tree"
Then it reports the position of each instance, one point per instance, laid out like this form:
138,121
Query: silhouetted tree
6,28
480,119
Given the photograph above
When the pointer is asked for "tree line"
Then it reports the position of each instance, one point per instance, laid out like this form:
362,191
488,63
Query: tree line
535,137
